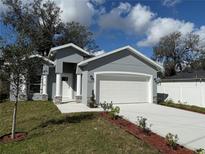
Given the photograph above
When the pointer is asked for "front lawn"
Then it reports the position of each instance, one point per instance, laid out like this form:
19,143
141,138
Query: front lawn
184,106
51,132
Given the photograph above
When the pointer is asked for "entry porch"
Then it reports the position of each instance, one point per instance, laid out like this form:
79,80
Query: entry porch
68,85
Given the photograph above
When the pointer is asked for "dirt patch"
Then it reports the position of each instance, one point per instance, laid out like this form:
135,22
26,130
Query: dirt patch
19,136
151,138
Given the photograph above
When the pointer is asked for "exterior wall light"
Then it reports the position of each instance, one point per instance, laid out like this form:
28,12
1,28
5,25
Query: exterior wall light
157,80
91,78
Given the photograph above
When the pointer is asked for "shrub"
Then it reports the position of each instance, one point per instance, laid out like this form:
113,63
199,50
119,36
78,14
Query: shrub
172,140
92,103
142,123
106,106
169,101
115,112
200,151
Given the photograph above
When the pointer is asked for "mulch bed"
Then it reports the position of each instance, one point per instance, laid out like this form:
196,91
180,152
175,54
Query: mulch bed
19,136
152,139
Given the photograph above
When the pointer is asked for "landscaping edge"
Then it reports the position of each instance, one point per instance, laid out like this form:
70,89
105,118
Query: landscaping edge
152,139
185,107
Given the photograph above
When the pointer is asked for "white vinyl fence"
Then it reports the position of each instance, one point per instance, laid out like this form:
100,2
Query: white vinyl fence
190,93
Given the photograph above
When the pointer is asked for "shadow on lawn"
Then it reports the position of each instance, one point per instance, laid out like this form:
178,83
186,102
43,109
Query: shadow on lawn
69,119
64,119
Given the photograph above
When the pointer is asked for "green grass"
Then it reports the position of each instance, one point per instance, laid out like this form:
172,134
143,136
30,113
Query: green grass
183,106
49,131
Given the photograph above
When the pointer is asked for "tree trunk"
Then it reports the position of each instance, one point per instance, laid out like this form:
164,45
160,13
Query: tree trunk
14,116
14,121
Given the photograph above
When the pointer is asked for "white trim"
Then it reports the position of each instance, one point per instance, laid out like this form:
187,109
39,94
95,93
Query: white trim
44,84
58,85
36,56
24,85
78,91
42,57
65,46
151,89
202,97
131,49
126,73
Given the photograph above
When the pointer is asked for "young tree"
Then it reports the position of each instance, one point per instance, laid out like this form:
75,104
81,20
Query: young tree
174,49
40,21
15,70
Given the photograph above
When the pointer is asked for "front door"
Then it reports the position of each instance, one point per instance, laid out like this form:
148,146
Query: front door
67,87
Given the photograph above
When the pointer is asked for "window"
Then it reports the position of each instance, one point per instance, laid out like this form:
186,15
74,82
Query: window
64,78
35,84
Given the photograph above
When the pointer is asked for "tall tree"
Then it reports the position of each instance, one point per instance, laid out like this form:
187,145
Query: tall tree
37,20
40,21
1,46
15,70
75,33
174,49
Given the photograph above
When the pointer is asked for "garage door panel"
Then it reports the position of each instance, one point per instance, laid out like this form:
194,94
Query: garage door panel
121,91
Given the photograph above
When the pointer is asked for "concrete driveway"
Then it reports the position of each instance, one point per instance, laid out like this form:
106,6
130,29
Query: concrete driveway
189,126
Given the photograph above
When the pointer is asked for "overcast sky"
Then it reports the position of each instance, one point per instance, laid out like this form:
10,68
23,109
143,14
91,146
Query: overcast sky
140,23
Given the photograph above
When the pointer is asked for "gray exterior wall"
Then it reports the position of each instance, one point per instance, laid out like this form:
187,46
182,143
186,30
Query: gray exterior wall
51,83
66,61
123,61
69,55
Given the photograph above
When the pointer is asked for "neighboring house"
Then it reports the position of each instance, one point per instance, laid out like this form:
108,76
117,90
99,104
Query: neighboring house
185,87
72,74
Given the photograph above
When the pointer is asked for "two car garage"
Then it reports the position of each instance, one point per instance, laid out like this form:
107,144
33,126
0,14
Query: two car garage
123,87
122,76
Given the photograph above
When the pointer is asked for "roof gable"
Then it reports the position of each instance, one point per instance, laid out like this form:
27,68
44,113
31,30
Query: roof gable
130,49
55,49
43,58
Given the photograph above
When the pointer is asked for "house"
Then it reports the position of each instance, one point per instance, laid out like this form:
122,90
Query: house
186,87
71,74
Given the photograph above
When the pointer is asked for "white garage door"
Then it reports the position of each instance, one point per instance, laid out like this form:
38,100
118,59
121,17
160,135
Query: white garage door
123,89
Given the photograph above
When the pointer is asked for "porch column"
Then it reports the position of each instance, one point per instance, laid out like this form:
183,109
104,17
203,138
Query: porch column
78,85
44,82
44,86
58,85
58,97
24,89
